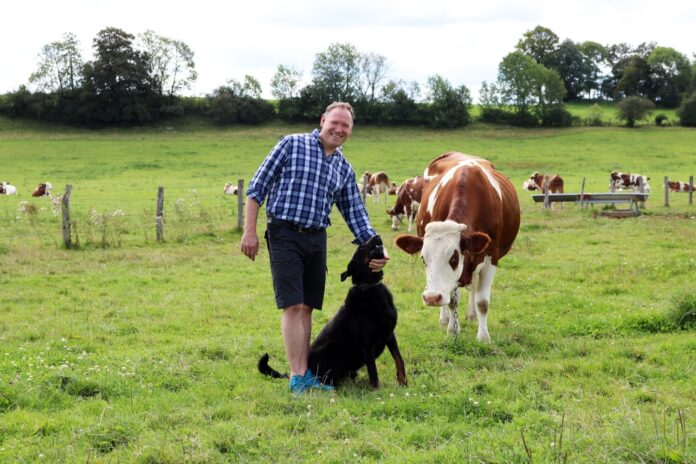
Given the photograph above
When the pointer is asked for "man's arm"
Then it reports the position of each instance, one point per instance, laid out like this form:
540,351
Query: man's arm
250,241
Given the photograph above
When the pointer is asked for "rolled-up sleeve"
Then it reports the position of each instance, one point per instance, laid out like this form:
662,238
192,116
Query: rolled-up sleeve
261,183
353,211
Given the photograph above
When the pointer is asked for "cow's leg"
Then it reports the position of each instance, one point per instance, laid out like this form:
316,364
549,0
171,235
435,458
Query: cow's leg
483,299
471,312
453,326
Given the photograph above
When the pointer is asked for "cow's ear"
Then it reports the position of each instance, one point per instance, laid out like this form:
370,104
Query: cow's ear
475,243
409,243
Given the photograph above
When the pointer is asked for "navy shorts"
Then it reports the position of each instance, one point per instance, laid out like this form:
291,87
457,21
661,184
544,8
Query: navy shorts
298,265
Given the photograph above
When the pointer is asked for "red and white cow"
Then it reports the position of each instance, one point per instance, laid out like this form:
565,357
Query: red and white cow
378,184
468,219
676,186
393,188
7,189
408,199
621,180
230,189
42,190
537,181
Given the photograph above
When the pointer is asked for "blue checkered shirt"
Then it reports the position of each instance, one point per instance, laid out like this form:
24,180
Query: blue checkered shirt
302,184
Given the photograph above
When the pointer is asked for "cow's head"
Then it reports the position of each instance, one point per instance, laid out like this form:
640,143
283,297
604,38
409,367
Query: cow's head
397,217
443,249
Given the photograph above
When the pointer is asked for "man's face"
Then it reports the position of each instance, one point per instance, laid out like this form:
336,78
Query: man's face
336,127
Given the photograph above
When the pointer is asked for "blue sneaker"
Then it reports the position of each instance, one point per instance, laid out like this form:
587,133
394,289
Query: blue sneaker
311,381
297,384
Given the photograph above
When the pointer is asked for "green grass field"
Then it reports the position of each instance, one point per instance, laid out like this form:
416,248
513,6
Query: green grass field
129,350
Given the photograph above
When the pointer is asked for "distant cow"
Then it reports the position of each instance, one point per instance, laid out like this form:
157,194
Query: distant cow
537,181
468,219
7,189
229,189
621,180
676,186
378,184
393,188
408,200
42,190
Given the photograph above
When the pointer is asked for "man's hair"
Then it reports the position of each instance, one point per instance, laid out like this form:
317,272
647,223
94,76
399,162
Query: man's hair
342,105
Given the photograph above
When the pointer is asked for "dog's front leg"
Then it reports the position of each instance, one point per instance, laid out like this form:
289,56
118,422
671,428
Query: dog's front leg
398,360
369,356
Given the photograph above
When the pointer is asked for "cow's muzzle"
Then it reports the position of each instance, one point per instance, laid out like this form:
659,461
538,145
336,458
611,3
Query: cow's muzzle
435,299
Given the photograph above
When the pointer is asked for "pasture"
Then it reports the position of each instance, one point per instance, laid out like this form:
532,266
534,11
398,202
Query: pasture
129,350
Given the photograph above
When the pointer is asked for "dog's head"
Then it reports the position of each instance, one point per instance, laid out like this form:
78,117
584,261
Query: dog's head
358,267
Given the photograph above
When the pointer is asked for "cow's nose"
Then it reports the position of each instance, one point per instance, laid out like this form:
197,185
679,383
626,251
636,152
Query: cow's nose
432,299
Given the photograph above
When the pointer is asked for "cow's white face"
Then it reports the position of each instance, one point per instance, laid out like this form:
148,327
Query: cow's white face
443,260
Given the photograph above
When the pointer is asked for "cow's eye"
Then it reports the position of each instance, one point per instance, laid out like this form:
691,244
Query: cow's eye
454,260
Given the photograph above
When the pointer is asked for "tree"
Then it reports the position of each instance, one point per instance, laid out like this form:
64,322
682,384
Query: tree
171,62
687,111
635,79
374,70
336,73
285,82
670,74
240,103
595,55
60,66
634,109
448,105
118,87
539,43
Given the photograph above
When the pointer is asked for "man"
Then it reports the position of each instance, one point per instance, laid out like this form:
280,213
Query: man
303,176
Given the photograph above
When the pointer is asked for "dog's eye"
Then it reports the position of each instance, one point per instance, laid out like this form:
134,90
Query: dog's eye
454,260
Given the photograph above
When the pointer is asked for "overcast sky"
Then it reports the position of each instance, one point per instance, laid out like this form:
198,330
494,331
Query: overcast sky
462,41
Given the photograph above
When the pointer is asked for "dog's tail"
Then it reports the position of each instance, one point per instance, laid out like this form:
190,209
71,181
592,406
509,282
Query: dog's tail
265,369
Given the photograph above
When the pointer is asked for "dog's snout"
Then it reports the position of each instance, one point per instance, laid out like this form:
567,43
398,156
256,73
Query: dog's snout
432,299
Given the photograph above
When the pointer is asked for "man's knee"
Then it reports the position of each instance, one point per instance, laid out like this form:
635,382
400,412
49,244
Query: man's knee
297,309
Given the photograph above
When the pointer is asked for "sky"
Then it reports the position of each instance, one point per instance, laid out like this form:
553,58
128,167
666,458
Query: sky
461,41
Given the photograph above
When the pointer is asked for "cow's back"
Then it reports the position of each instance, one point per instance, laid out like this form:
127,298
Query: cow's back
471,192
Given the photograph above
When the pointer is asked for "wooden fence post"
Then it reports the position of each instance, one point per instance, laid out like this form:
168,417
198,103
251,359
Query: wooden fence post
611,184
240,203
547,203
666,191
691,190
160,214
67,240
366,181
582,194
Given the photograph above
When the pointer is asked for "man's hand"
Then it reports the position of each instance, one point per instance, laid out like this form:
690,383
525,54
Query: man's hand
377,264
250,245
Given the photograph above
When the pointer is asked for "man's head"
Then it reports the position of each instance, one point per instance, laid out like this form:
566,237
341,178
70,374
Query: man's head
336,125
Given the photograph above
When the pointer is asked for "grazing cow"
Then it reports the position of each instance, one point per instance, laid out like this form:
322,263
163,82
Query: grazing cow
468,219
378,184
7,189
538,182
393,188
230,189
408,199
620,181
42,190
357,335
676,186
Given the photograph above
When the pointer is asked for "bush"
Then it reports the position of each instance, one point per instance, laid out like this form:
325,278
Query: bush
634,109
595,116
557,117
495,115
684,313
687,111
660,118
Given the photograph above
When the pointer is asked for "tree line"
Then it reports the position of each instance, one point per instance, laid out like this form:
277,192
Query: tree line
139,80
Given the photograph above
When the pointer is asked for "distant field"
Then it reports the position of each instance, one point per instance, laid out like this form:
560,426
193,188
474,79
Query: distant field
127,350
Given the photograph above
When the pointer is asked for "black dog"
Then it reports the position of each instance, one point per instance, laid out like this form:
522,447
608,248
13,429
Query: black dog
360,330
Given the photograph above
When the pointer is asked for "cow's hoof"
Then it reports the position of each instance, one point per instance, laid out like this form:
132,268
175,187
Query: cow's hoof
483,337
